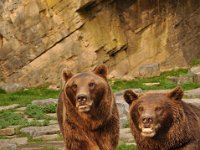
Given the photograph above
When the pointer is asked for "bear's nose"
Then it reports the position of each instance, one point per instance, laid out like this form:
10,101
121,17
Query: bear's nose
81,98
147,120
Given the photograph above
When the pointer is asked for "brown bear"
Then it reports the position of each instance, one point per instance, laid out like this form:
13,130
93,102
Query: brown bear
162,121
87,112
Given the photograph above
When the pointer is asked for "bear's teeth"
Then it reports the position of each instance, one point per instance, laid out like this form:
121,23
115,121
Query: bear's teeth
82,107
147,130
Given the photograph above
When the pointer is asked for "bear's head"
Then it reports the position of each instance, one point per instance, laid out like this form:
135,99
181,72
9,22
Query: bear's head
151,114
86,90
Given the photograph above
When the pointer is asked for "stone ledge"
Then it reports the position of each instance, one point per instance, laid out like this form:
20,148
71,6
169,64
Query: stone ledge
38,131
7,131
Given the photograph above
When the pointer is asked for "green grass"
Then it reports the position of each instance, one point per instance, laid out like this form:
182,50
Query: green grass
9,118
195,62
126,124
124,146
51,108
49,148
35,123
37,112
25,97
162,79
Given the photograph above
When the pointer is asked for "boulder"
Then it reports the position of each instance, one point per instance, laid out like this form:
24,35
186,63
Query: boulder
47,137
12,144
195,71
11,87
195,93
126,136
8,107
149,70
38,131
181,79
194,101
7,131
45,102
196,78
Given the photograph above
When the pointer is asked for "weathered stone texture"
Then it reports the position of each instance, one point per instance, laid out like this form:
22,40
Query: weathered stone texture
162,32
38,38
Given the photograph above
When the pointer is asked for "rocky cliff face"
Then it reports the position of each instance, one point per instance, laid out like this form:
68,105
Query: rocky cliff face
38,38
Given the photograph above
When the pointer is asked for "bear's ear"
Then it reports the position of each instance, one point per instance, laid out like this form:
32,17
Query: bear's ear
176,94
66,75
130,96
101,70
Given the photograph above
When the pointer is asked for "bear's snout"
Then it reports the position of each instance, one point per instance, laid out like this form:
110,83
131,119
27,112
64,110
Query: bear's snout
148,125
81,98
147,120
83,102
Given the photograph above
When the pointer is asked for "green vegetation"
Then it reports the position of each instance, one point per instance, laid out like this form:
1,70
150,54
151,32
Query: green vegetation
36,123
124,146
49,148
51,108
165,83
37,112
25,97
9,118
195,62
126,124
37,141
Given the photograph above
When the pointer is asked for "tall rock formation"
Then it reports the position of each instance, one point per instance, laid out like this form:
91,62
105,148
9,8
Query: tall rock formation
38,38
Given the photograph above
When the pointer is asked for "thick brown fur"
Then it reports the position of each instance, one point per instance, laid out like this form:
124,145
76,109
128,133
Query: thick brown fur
177,123
96,129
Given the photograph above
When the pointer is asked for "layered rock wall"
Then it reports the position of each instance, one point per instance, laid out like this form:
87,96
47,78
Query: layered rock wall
38,38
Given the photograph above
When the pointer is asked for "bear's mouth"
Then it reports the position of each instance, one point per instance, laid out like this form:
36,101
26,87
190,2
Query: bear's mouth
148,132
86,107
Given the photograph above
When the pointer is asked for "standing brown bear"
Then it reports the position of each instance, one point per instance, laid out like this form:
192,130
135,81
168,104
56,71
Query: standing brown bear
87,112
162,121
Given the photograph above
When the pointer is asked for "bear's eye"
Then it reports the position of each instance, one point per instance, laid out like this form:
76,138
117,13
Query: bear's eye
74,87
92,85
158,109
140,109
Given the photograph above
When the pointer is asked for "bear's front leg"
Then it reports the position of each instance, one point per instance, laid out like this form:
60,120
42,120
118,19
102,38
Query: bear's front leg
78,144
